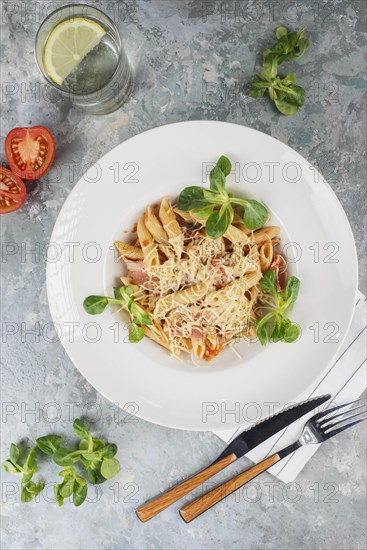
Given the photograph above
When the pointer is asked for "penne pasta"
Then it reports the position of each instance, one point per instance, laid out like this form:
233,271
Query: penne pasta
266,256
128,251
236,235
239,286
148,246
265,234
157,334
198,347
186,216
154,226
186,296
168,219
172,228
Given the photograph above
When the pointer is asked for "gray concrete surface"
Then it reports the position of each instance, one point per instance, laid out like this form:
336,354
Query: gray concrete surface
192,61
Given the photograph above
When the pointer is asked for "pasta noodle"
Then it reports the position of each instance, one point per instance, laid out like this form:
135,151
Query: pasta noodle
201,294
148,246
155,227
266,256
128,251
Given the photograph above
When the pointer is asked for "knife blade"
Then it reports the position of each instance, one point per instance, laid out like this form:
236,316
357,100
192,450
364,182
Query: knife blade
241,445
261,431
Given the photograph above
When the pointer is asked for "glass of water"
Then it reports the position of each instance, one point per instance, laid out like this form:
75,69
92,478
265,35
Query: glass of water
78,50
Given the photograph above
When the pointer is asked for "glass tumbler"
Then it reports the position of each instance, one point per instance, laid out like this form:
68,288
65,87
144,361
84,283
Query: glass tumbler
102,80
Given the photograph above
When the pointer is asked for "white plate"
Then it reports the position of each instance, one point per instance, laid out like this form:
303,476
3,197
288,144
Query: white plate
142,377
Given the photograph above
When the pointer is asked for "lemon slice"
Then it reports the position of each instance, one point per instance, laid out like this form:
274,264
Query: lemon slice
68,44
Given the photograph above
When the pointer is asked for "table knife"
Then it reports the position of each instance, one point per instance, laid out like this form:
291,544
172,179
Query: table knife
240,446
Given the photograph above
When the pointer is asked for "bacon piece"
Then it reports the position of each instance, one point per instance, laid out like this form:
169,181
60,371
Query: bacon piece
137,271
280,267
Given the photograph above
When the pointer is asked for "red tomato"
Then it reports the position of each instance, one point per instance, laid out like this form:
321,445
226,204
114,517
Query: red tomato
12,191
30,151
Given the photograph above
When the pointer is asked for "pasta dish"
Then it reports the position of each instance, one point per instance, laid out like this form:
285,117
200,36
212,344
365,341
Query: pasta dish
201,294
204,272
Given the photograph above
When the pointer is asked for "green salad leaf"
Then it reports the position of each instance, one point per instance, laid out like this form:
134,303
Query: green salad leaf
287,95
96,456
123,297
12,466
215,205
72,484
275,326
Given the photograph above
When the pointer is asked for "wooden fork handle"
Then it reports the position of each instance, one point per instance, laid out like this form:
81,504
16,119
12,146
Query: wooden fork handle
154,507
197,507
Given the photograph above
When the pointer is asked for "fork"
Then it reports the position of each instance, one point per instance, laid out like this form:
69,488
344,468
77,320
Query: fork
318,429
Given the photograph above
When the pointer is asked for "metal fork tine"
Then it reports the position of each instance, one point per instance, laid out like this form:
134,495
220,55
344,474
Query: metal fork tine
339,430
331,426
328,411
323,423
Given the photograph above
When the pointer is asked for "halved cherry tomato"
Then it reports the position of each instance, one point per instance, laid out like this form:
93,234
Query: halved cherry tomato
12,191
30,151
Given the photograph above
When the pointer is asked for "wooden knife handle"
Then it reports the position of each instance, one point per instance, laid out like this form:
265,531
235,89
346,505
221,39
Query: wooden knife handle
197,507
154,507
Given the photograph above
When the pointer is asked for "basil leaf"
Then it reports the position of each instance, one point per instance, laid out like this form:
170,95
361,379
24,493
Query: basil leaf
49,443
217,180
110,467
14,453
81,429
225,165
135,333
255,215
10,468
219,221
191,197
291,290
95,304
268,282
292,333
80,491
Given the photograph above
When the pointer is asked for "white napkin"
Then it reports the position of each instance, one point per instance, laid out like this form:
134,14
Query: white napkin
345,380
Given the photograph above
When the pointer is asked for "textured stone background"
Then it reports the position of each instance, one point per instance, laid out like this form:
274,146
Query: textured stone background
192,60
